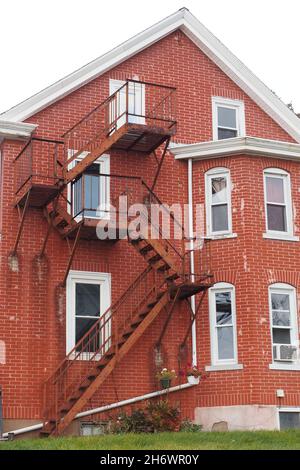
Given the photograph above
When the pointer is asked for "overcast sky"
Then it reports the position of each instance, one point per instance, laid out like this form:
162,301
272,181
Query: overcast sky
44,40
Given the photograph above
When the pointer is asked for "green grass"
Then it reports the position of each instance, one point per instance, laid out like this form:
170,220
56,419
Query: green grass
166,441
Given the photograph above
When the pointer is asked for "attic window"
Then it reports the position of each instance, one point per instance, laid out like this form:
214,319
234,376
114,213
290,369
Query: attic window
228,118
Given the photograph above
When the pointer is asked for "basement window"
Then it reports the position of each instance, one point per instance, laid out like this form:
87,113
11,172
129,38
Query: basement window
93,429
289,420
228,118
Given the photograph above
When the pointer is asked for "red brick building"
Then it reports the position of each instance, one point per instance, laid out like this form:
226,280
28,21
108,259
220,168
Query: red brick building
170,116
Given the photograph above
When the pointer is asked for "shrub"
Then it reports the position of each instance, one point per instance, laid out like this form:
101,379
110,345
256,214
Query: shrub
188,426
158,416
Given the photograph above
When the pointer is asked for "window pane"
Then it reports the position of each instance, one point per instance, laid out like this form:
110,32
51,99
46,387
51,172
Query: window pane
219,218
225,342
218,190
223,308
87,299
226,133
82,327
280,301
281,336
226,117
276,218
289,420
275,190
281,318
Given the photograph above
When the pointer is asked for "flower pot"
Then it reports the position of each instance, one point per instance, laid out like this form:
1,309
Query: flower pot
165,383
193,380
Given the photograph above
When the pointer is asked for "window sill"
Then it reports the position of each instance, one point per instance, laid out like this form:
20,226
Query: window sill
278,366
220,367
288,238
221,237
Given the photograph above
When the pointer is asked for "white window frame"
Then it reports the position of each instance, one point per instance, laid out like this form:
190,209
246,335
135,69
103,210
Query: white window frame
209,175
285,177
104,168
238,106
281,288
219,288
102,279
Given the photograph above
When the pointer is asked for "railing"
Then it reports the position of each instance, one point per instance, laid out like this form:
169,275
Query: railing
40,161
134,102
98,196
104,336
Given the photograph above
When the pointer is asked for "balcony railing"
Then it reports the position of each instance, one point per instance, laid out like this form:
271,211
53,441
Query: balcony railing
135,102
120,199
38,163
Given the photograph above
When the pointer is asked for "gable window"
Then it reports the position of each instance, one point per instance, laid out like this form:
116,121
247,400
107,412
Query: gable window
223,324
88,298
218,201
284,328
228,118
278,207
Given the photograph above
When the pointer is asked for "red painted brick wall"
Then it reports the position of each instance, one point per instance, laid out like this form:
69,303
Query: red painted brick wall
32,324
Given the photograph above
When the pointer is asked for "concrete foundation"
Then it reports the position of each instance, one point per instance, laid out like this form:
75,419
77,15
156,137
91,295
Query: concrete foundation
237,418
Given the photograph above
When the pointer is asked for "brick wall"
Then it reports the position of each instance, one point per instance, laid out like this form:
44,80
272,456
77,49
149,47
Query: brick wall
32,320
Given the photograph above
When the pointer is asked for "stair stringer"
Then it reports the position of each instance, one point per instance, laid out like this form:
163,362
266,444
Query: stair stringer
89,392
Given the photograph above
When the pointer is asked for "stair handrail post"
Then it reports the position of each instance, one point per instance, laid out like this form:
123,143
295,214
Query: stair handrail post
127,101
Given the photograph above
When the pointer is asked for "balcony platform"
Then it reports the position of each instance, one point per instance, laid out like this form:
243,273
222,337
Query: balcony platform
188,289
39,194
88,231
143,138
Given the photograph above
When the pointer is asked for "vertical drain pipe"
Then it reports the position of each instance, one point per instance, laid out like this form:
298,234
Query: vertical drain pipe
1,414
192,260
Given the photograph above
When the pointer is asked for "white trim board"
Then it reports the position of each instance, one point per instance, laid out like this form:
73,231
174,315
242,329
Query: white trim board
201,36
238,145
19,130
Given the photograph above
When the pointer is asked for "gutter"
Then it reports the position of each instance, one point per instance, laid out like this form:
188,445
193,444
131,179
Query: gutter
112,406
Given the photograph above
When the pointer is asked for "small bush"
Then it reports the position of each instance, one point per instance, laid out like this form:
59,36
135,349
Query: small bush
158,416
188,426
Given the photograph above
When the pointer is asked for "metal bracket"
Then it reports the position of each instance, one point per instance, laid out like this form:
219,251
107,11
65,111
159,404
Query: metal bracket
72,255
170,313
22,215
160,163
194,315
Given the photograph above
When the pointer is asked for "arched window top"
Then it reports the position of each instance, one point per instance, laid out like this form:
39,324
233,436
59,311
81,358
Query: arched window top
222,285
281,285
276,171
217,170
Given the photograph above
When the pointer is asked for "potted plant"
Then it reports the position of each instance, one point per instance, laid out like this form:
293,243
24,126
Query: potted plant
193,375
165,376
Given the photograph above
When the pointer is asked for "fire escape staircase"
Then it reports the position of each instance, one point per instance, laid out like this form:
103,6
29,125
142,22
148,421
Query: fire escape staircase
112,125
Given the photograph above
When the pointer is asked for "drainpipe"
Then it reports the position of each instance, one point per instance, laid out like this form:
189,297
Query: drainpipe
1,414
36,427
192,259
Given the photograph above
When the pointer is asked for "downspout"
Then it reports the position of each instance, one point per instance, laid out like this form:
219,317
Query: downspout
192,258
36,427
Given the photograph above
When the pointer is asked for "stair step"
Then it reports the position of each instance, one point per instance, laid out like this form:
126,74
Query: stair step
152,257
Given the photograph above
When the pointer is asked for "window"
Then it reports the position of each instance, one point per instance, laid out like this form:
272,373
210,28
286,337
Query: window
228,118
223,324
289,419
92,190
278,201
284,329
136,102
88,297
218,201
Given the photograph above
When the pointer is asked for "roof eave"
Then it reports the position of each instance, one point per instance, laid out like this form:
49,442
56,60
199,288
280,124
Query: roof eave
236,146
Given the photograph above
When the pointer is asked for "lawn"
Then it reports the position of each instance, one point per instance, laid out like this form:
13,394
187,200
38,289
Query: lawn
166,441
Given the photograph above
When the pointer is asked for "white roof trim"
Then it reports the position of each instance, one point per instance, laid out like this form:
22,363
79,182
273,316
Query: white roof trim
203,38
19,130
237,145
